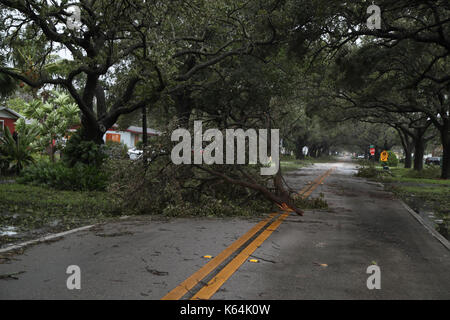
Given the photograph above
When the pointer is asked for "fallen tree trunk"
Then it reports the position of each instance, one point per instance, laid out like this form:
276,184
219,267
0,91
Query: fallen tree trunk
281,198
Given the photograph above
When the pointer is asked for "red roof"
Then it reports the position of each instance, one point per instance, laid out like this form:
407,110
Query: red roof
137,130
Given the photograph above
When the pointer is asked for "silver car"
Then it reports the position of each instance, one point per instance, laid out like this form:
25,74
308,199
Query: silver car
134,153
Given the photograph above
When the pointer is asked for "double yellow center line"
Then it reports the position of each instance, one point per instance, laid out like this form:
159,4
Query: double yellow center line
217,281
315,184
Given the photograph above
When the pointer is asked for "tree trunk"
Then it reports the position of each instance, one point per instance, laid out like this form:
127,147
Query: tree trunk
313,151
386,146
299,144
319,152
408,159
91,131
52,152
299,152
419,147
407,144
408,148
248,182
280,191
326,151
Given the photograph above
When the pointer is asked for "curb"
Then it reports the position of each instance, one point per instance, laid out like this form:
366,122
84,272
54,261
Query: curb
433,232
45,238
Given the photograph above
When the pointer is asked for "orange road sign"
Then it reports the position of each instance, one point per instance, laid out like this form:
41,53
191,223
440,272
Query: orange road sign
384,156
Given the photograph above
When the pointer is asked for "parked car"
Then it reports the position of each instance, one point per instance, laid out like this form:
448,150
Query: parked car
433,160
134,153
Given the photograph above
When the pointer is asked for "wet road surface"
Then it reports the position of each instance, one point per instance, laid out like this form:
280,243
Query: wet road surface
322,255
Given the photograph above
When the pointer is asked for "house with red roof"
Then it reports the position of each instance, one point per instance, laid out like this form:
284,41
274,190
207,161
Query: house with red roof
130,136
8,118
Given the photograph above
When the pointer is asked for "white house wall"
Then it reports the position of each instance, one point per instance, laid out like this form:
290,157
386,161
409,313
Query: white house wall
125,137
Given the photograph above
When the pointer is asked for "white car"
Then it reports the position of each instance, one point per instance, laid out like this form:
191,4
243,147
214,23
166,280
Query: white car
134,153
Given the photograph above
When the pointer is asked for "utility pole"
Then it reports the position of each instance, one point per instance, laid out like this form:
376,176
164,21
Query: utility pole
144,133
144,112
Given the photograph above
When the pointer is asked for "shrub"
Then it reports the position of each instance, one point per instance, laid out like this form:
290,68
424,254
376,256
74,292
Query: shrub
311,203
392,160
365,163
368,172
78,150
140,145
171,190
4,166
59,176
367,169
116,150
16,151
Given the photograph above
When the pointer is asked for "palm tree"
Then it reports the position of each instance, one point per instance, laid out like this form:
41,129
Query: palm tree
17,151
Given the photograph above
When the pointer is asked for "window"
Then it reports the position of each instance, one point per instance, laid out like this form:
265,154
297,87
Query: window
113,137
2,127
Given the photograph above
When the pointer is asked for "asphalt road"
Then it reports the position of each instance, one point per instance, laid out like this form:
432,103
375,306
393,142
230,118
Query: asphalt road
322,255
